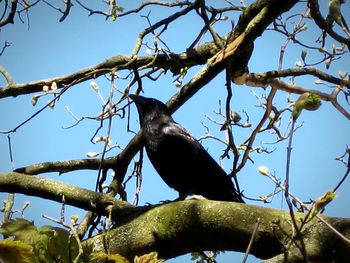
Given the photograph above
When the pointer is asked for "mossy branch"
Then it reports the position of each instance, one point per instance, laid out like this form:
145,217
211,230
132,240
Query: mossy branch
60,192
180,227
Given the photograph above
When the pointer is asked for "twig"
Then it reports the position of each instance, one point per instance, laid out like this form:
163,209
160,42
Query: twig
286,193
258,127
333,229
6,45
251,240
7,76
10,152
110,114
204,16
71,226
91,11
8,207
347,171
259,80
160,23
303,205
138,173
36,113
231,142
66,12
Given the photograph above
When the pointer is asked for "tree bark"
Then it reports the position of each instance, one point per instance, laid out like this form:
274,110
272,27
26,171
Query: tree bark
180,227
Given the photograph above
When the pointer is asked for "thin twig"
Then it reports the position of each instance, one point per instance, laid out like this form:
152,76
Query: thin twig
10,152
304,206
346,173
286,193
110,114
251,240
36,113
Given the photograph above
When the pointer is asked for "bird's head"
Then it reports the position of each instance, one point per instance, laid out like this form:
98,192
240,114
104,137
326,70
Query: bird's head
150,109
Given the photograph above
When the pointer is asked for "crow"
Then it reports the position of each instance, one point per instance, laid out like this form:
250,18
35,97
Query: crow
180,160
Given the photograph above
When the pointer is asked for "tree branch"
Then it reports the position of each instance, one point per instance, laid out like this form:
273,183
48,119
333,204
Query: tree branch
180,227
56,191
263,80
67,166
322,23
120,62
11,15
251,25
302,72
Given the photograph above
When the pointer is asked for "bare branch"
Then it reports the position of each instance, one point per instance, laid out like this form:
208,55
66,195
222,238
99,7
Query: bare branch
66,12
11,15
257,80
7,76
322,23
193,57
302,72
258,127
164,22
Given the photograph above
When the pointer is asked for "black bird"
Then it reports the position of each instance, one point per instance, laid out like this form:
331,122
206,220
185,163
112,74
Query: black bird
178,157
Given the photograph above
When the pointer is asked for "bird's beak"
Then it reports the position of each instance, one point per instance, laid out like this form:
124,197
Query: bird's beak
139,100
140,103
132,96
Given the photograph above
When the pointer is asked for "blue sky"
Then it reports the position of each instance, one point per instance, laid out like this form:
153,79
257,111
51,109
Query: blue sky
50,49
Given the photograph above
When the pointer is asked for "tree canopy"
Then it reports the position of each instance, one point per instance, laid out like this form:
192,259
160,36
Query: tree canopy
263,85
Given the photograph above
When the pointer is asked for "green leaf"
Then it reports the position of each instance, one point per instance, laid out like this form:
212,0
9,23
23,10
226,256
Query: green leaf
48,243
307,101
21,229
55,242
116,258
148,258
16,251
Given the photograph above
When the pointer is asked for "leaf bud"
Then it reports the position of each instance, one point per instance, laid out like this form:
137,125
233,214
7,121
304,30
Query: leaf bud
307,101
94,85
35,100
46,88
54,86
91,154
263,170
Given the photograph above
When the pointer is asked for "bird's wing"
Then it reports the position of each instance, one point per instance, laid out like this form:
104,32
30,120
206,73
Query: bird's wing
192,150
175,129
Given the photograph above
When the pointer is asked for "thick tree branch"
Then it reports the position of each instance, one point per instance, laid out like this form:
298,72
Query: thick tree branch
56,191
181,227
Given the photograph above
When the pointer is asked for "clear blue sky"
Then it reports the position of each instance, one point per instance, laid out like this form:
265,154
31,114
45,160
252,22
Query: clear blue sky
50,49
